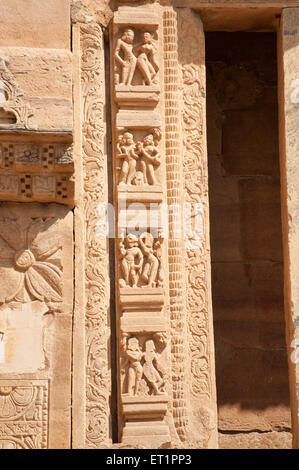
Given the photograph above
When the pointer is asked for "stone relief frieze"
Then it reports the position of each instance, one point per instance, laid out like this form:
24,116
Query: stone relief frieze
140,261
96,273
30,259
141,369
139,167
36,172
14,112
136,56
139,159
132,58
23,414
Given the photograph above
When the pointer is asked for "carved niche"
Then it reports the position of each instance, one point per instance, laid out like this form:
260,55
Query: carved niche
136,56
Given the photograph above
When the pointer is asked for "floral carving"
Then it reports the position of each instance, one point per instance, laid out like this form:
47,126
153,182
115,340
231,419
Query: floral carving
96,277
197,258
23,414
12,103
28,261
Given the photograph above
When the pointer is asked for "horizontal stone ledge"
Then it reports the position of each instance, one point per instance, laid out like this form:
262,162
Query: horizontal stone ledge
39,135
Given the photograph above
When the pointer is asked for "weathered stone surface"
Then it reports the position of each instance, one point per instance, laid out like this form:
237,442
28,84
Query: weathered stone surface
256,440
289,148
246,245
35,23
36,318
45,78
140,348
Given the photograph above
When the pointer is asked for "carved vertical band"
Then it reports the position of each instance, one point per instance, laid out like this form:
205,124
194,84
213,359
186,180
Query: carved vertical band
139,176
197,263
96,248
174,199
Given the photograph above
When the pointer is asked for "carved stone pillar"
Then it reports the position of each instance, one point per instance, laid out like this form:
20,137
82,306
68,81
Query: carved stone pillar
139,181
91,407
166,377
199,316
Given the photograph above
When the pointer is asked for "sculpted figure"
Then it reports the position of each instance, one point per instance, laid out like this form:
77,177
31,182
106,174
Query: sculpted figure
126,148
131,261
151,265
146,59
150,367
133,359
125,57
149,158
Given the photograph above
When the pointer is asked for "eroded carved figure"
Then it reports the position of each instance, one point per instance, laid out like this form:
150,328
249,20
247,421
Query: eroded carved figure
140,159
151,369
125,57
133,360
147,61
141,57
127,151
131,261
138,364
141,263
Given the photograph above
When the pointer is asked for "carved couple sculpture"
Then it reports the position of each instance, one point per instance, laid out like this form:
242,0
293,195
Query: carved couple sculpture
139,159
141,261
141,56
142,364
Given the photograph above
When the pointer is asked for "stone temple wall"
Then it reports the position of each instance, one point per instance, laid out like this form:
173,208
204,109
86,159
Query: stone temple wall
106,310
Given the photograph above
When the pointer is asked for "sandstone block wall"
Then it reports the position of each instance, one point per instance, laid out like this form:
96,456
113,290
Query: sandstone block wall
246,240
105,101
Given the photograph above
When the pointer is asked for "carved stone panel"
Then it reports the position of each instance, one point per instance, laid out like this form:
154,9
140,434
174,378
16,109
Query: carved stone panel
91,357
24,414
139,179
202,412
35,90
136,55
35,171
35,324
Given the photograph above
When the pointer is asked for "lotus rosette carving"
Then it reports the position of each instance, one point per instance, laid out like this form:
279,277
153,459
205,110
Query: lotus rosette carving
29,261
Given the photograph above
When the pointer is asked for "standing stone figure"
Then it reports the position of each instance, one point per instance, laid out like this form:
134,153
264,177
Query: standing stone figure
151,265
131,261
149,158
135,371
146,59
150,367
126,147
125,57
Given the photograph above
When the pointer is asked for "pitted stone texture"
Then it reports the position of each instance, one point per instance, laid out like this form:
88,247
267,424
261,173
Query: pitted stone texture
36,295
35,23
45,78
256,440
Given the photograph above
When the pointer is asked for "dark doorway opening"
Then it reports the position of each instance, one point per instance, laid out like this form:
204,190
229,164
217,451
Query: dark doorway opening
246,241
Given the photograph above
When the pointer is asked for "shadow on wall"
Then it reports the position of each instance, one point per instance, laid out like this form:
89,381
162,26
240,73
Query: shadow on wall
246,239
